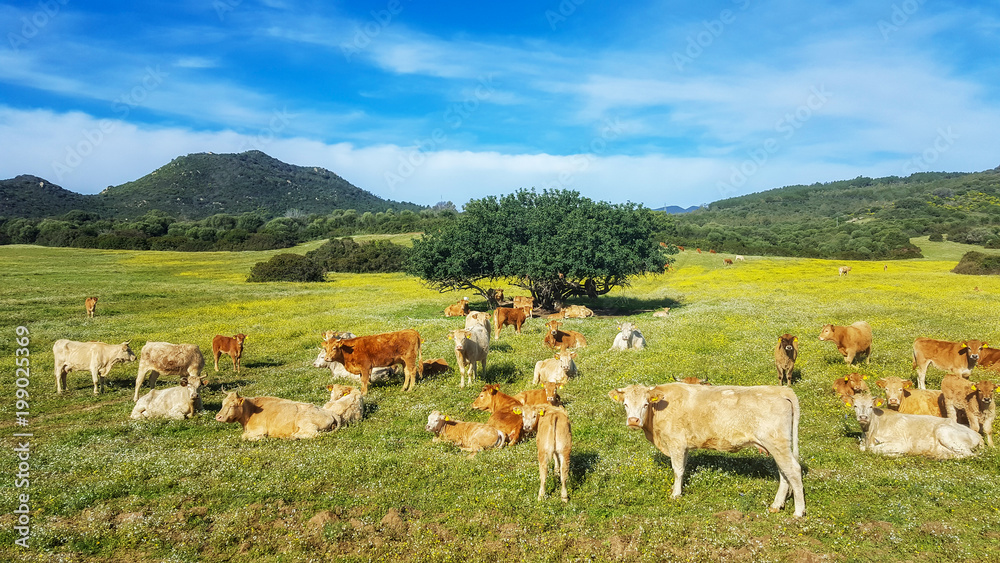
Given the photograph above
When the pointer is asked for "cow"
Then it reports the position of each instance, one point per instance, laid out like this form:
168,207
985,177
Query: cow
263,417
662,312
471,437
558,369
503,316
501,406
711,251
459,309
952,357
628,338
900,396
96,357
576,312
699,250
522,301
494,295
471,346
554,441
91,305
850,385
850,340
174,403
890,433
692,380
164,358
360,354
479,318
328,334
785,354
843,270
739,258
346,402
727,262
547,395
231,346
678,418
681,248
337,369
989,358
434,366
558,339
974,399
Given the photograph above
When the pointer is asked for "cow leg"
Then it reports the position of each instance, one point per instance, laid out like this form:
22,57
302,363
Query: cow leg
60,379
138,384
678,460
543,471
366,375
922,375
563,459
217,354
973,418
951,411
849,357
98,382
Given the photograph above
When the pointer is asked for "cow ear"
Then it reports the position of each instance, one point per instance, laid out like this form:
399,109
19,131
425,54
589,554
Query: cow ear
878,402
204,381
907,384
239,401
973,387
541,412
880,383
329,387
796,339
516,410
447,418
616,395
653,399
847,378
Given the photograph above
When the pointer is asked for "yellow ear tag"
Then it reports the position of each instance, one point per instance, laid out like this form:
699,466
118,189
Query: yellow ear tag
973,387
796,339
516,411
616,397
846,403
654,400
451,336
878,403
447,418
541,412
846,378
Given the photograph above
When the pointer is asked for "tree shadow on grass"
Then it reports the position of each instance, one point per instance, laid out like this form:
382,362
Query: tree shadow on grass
625,306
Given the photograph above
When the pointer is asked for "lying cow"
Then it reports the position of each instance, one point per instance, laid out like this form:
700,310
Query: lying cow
850,385
432,367
556,370
850,340
952,357
692,380
459,309
576,312
501,406
471,346
504,316
470,437
230,346
900,396
559,339
346,402
554,441
678,418
524,301
175,403
628,338
975,400
785,354
337,369
662,313
547,395
263,417
96,357
890,433
363,353
164,358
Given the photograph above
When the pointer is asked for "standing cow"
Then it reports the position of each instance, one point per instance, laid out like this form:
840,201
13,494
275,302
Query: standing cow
363,353
233,347
953,357
164,358
785,354
850,340
471,346
91,304
96,357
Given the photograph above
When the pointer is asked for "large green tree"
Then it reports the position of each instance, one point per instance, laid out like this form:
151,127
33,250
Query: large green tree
555,244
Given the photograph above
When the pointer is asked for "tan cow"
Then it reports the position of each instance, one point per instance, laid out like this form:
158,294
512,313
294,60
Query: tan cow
522,301
164,358
900,396
785,354
174,403
233,347
96,357
263,417
843,270
479,318
501,406
559,339
850,385
890,433
576,312
678,418
664,312
989,358
363,353
557,369
347,402
975,400
471,346
554,441
547,395
850,340
459,309
952,357
470,437
692,380
91,305
503,316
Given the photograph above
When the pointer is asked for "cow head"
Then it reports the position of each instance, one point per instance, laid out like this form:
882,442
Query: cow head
436,422
124,353
459,336
790,344
337,391
334,350
485,399
864,408
552,393
971,349
192,389
984,392
529,416
565,358
626,329
637,400
826,333
894,390
856,382
239,339
233,408
553,326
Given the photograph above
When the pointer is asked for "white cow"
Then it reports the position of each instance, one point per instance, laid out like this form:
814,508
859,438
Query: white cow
890,433
175,403
471,345
158,358
557,370
628,337
96,357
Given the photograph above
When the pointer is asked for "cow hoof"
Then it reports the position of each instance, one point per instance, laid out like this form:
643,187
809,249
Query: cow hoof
773,510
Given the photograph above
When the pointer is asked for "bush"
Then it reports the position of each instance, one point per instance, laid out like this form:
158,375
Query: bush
287,267
978,264
936,237
345,255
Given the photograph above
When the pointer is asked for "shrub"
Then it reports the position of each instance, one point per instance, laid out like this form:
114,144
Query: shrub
978,263
936,237
345,255
287,267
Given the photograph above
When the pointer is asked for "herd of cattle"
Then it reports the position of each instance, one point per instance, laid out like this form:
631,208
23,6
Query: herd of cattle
675,417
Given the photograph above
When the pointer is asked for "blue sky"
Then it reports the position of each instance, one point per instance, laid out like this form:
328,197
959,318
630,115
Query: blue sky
654,102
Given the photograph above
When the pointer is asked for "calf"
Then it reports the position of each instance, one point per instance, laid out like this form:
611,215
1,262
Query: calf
678,418
662,312
96,357
337,369
975,400
989,358
850,385
900,396
554,441
522,301
346,402
628,337
158,358
727,262
479,318
363,353
547,395
558,339
175,403
843,270
471,346
952,357
470,437
494,296
263,417
557,370
231,346
785,354
890,433
850,340
503,316
91,304
576,312
501,406
459,309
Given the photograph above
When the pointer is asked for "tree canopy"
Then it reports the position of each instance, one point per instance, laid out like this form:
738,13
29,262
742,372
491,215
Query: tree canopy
555,244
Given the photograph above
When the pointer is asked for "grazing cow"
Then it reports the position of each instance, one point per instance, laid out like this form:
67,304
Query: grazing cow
547,395
681,248
843,270
692,380
576,312
662,312
231,346
501,406
628,338
263,417
503,316
727,262
459,309
711,251
558,339
739,258
554,441
432,367
850,340
890,433
468,436
96,357
479,318
952,357
471,346
785,354
91,304
974,399
900,396
337,369
558,369
360,354
347,402
164,358
521,301
699,250
850,385
678,418
175,403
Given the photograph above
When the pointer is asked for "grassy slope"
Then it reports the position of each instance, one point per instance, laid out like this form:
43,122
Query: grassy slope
104,487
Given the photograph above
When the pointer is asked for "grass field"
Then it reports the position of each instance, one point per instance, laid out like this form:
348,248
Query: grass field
106,488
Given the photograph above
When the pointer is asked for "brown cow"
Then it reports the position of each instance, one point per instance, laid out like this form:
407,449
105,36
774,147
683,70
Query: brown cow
554,442
711,251
559,339
501,406
785,354
494,295
503,316
681,248
843,270
850,385
901,396
692,380
547,395
263,417
974,399
699,250
468,436
231,346
989,358
952,357
727,262
361,354
434,366
850,340
459,309
91,304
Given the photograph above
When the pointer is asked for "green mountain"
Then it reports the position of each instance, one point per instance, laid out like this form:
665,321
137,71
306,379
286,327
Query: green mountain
33,197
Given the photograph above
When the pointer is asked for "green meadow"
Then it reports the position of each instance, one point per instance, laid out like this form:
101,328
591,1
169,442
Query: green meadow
106,488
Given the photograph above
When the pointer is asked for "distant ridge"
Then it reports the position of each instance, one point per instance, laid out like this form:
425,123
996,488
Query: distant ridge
33,197
676,209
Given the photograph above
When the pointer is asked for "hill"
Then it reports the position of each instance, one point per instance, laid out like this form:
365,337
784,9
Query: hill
33,197
673,209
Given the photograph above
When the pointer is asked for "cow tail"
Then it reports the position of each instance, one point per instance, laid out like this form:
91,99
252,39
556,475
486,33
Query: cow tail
914,358
501,439
337,421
